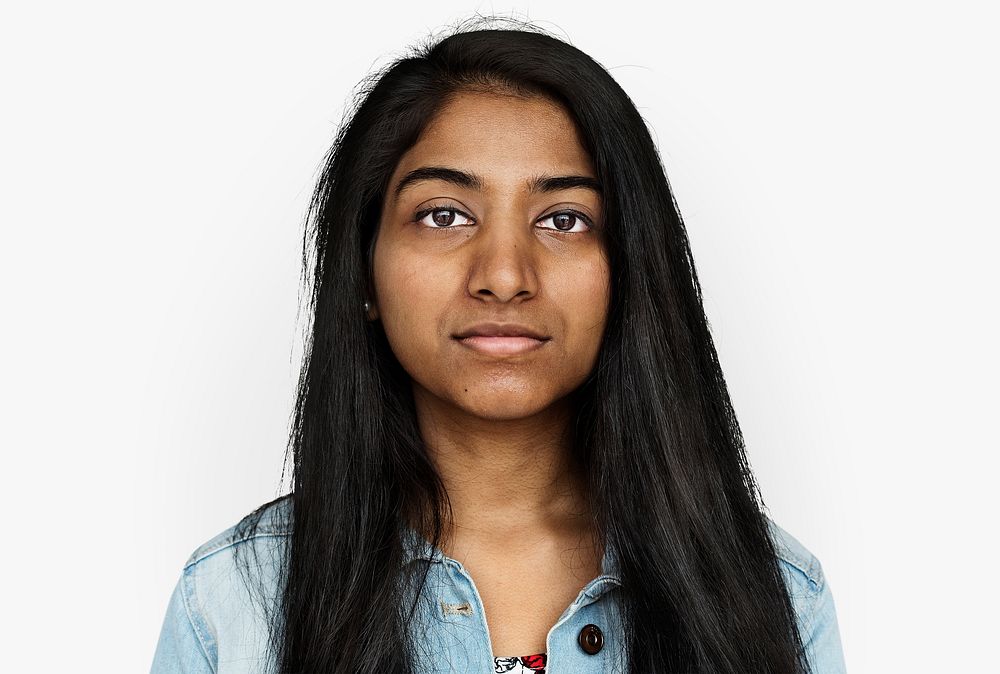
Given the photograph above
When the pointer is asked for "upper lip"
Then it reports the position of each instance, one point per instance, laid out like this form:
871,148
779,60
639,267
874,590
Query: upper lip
500,330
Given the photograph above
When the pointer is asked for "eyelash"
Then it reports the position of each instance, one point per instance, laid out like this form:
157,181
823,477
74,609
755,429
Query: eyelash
420,215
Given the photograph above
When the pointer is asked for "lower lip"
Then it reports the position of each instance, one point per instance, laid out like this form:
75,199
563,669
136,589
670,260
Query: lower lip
502,346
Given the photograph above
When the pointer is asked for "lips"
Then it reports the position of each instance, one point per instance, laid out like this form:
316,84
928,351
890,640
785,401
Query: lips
501,346
501,339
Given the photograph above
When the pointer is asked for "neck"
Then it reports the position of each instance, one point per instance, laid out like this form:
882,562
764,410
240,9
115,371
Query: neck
505,478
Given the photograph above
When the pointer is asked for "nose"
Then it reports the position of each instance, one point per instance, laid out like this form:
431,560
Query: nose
503,264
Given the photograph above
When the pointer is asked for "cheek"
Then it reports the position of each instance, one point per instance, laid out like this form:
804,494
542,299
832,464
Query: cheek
591,294
410,293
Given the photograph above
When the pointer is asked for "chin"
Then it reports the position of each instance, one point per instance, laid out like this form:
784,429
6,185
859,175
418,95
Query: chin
504,406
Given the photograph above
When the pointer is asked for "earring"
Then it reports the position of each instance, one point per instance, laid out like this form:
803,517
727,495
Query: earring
367,307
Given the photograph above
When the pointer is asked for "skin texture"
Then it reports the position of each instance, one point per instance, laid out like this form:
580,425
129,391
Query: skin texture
495,425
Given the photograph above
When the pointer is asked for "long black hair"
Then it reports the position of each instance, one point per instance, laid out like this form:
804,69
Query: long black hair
654,426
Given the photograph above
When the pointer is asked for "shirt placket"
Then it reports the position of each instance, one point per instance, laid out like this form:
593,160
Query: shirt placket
585,638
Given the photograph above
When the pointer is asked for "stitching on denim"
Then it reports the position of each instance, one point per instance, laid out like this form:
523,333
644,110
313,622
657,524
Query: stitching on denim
602,584
815,579
229,541
807,566
814,613
201,631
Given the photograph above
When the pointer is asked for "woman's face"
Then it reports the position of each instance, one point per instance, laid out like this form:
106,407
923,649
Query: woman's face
486,241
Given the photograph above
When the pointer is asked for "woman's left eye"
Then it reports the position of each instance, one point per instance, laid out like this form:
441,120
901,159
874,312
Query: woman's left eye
564,221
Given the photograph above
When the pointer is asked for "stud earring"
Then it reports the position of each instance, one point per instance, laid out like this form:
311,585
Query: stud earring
367,307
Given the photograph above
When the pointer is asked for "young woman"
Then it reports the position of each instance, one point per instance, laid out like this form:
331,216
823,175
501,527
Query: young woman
514,450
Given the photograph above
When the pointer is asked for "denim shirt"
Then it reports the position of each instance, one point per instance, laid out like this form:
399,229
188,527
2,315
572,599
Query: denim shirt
213,626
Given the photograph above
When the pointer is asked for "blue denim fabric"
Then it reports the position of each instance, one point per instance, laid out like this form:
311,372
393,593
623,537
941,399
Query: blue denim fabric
213,626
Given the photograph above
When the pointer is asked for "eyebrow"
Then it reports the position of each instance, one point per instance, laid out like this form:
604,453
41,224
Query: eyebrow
537,184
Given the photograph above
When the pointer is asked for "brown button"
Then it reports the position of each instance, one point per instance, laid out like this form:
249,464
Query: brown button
591,639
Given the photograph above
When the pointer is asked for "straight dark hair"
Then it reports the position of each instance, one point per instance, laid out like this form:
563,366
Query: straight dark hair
655,430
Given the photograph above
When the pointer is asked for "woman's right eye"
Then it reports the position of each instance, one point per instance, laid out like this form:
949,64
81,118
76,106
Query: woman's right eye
439,218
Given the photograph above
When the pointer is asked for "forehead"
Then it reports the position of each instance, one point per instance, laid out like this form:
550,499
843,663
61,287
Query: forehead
502,138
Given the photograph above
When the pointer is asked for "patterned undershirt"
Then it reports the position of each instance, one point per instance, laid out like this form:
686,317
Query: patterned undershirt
524,664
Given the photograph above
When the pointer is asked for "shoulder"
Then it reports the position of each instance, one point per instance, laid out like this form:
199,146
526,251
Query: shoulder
812,599
230,586
271,520
802,573
798,562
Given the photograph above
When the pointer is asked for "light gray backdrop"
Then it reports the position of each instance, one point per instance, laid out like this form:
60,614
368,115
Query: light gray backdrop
836,166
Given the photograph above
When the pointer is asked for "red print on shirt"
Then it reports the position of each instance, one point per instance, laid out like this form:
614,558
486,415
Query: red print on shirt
525,664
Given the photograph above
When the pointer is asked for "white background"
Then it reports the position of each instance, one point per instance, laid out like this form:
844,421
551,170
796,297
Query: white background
837,169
